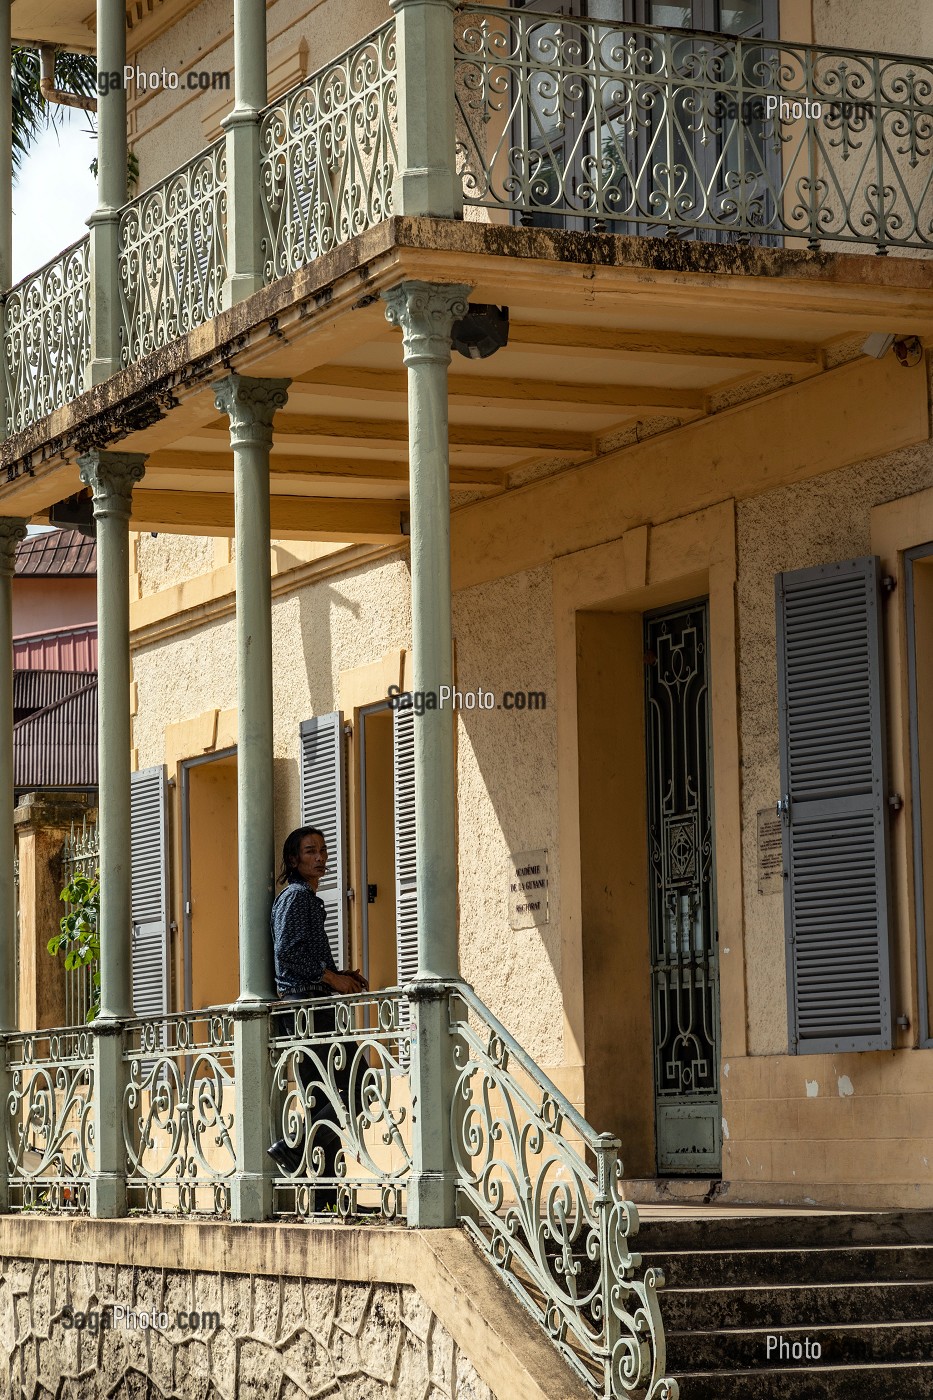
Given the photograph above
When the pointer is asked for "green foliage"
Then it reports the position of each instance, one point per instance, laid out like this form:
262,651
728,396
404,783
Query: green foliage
79,939
132,170
74,72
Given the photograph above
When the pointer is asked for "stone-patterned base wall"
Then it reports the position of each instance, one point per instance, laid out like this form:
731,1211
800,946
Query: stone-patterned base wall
278,1338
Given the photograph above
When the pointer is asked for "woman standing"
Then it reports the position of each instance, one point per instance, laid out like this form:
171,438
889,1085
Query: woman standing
304,967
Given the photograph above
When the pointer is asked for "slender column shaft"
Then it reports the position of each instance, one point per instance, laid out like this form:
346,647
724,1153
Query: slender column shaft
112,476
244,207
11,532
427,181
426,312
250,404
111,194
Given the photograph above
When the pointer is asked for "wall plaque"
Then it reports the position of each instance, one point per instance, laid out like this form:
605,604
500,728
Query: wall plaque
528,889
770,852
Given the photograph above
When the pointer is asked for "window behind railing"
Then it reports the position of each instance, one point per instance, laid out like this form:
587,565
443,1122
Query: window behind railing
80,856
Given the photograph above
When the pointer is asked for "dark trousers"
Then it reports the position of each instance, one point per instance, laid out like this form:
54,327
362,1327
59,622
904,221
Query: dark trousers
322,1117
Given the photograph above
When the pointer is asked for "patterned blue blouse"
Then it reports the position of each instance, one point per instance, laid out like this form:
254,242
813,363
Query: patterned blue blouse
299,940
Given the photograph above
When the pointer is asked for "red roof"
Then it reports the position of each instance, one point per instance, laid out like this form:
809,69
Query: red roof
57,553
66,649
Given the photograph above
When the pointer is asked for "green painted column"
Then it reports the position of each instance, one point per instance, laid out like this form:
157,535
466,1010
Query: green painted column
244,205
427,180
11,532
104,357
112,476
250,405
425,312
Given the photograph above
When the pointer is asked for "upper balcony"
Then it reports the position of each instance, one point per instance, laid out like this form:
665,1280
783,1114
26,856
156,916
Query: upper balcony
560,122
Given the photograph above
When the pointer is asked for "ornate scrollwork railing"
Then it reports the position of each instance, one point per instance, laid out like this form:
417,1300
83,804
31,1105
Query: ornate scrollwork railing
173,254
341,1104
48,1119
178,1108
556,1229
46,335
328,155
643,130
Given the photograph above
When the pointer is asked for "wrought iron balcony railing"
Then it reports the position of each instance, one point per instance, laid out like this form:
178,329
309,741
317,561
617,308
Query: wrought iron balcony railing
537,1188
642,130
580,123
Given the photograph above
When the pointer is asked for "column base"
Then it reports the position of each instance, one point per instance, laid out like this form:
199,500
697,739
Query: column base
250,1197
108,1196
241,286
432,1200
98,370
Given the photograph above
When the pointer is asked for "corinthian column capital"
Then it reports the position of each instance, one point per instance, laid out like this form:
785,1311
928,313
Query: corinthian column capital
425,313
112,476
11,532
250,404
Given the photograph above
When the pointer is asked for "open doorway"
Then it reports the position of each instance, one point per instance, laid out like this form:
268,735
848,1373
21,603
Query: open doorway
210,879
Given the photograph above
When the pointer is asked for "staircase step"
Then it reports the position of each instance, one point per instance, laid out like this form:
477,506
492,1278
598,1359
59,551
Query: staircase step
890,1381
826,1264
746,1349
783,1230
768,1306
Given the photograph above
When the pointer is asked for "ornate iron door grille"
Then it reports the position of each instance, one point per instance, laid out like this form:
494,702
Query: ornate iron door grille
682,907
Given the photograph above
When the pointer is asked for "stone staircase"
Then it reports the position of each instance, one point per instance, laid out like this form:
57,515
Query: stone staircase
795,1306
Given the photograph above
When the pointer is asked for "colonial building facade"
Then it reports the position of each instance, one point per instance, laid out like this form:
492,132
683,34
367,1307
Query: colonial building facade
508,432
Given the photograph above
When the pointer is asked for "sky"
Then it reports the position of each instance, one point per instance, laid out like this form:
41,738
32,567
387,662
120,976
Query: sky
53,195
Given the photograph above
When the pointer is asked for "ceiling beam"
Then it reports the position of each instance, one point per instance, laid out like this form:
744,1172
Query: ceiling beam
375,431
327,468
475,390
661,346
292,517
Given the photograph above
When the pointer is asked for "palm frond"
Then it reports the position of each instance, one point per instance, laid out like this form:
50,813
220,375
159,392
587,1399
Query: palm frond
74,72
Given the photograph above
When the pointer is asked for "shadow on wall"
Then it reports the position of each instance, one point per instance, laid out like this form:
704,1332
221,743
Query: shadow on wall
311,693
507,801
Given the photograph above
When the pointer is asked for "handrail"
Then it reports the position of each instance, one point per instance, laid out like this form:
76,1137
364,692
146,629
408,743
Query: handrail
557,1232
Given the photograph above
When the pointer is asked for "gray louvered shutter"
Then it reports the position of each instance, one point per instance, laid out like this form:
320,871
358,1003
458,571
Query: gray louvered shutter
832,741
149,844
323,804
406,864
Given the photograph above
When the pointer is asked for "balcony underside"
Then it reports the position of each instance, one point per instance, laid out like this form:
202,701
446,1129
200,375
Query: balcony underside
609,335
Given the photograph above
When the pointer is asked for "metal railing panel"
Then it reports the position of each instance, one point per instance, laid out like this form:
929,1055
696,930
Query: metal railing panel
341,1102
539,1191
641,130
46,337
173,254
178,1112
328,155
49,1119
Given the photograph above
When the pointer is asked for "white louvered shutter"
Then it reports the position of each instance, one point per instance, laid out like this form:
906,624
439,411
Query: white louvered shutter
323,804
406,863
835,831
149,843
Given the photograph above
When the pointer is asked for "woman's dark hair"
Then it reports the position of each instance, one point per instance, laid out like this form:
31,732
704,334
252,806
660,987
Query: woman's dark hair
292,849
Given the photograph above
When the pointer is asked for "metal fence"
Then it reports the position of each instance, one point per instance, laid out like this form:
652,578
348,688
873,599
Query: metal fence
80,856
634,129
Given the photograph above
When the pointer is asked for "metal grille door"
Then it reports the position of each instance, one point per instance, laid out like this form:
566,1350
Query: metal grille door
684,969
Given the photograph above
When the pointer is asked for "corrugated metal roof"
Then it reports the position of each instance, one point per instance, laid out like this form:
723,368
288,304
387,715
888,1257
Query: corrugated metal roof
57,746
34,690
67,649
59,553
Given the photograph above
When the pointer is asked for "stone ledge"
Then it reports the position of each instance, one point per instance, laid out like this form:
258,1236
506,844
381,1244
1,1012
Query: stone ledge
510,1353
